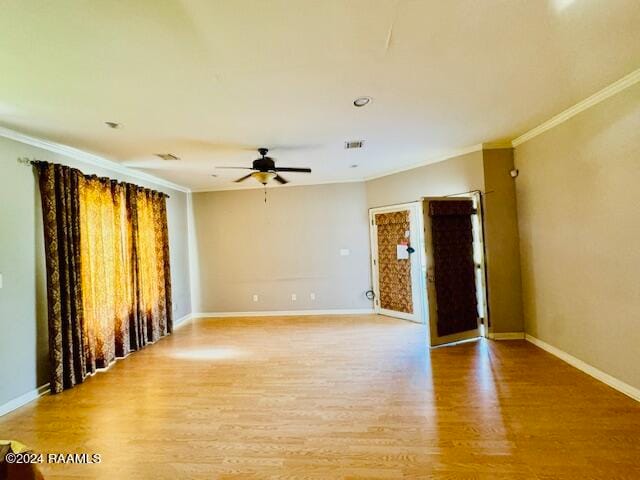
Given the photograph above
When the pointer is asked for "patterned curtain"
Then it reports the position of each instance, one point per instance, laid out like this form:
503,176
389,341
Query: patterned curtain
61,221
106,271
152,317
109,282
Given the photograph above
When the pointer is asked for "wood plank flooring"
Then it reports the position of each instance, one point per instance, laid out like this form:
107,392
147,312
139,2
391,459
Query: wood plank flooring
358,397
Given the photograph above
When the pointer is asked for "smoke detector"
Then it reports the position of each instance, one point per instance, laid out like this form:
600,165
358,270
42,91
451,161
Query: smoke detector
353,144
167,156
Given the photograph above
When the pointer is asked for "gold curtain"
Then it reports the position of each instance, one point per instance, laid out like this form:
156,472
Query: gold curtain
107,278
108,275
150,241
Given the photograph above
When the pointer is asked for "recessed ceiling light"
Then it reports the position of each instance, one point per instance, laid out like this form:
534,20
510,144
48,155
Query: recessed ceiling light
112,124
353,166
361,101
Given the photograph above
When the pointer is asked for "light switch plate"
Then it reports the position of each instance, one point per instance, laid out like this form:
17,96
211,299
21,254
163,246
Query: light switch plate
344,252
1,280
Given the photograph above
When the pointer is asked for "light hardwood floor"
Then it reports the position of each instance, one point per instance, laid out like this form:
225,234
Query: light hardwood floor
335,398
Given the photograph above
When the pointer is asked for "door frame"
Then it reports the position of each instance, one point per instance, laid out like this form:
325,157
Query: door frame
476,196
418,287
479,273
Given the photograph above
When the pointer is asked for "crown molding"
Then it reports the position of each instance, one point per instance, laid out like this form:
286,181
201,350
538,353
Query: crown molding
446,156
231,188
441,158
497,145
96,160
113,166
87,157
618,86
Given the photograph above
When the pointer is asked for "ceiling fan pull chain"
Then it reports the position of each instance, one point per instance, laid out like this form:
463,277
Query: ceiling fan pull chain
265,194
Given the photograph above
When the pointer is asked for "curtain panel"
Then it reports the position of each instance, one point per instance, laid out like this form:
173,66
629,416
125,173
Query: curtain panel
152,316
61,224
108,274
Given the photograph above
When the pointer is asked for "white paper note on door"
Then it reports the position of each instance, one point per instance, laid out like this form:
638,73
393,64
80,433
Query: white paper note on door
402,253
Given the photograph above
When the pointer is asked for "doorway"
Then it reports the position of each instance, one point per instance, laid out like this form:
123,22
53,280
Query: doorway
397,261
455,280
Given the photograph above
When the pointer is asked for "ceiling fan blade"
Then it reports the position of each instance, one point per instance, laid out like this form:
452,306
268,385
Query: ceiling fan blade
278,178
242,179
292,148
235,168
291,169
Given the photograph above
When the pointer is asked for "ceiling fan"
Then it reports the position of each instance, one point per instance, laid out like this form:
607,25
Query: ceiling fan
264,169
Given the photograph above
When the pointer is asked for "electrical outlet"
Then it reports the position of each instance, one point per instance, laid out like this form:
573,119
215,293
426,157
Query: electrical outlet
255,298
313,296
174,307
293,297
345,252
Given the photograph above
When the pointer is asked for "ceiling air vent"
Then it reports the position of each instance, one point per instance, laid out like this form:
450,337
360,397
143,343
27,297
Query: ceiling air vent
167,156
353,144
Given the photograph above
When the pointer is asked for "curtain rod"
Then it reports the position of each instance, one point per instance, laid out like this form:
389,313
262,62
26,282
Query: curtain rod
34,161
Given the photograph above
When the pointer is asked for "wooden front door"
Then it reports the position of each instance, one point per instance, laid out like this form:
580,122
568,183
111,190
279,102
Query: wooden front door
451,270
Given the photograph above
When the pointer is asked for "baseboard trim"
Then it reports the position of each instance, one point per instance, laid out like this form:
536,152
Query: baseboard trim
284,313
586,368
183,320
507,336
16,403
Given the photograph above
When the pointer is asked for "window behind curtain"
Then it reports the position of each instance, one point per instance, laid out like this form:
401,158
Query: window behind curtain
107,277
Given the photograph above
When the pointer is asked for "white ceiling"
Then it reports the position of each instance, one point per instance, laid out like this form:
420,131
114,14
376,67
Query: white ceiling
210,81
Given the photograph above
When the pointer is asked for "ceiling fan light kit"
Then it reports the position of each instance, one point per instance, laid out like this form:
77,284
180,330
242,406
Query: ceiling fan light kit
264,177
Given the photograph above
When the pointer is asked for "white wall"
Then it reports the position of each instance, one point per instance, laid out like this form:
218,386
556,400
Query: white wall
579,221
289,245
24,355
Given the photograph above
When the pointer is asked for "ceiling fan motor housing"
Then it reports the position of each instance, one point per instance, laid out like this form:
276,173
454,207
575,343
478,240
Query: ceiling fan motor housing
264,164
265,169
